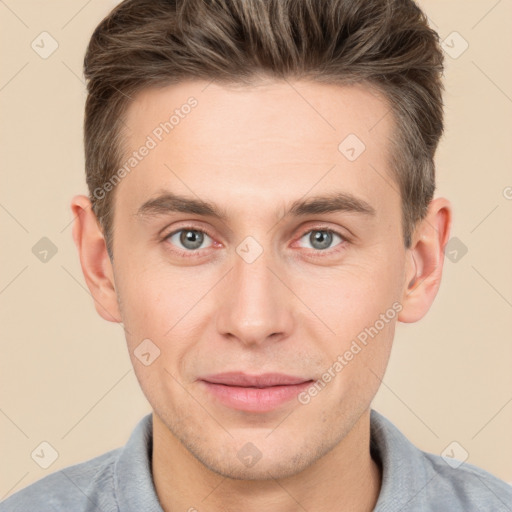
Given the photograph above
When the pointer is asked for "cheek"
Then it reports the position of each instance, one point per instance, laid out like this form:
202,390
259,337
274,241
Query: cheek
353,296
358,306
151,314
153,300
166,307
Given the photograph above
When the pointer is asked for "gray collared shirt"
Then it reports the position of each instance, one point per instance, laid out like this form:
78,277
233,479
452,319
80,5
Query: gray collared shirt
412,480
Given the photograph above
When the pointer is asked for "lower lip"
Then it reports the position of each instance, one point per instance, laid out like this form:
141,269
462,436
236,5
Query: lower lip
255,399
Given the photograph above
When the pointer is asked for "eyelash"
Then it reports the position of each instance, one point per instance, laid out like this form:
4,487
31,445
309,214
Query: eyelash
316,252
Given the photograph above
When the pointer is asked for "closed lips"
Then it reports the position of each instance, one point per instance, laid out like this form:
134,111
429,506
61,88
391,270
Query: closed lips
240,379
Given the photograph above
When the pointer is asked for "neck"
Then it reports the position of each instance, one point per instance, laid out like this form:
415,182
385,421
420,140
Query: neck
345,479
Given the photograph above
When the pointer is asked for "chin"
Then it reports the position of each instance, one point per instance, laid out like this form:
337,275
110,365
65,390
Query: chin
271,461
261,471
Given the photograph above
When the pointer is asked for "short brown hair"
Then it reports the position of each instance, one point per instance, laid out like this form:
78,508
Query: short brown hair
386,44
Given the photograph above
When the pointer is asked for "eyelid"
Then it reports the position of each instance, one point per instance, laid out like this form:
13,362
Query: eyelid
163,234
323,227
343,232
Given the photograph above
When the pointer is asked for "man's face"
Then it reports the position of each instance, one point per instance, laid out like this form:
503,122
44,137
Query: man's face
262,290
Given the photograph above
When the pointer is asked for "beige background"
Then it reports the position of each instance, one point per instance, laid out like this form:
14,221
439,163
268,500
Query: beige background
66,377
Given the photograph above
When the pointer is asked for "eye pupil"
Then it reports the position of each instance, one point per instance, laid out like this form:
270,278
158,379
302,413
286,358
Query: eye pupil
320,239
191,239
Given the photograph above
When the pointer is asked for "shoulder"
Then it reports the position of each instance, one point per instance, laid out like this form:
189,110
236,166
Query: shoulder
87,486
413,479
467,486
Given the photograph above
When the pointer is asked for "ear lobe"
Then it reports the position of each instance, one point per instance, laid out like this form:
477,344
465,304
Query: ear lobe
94,259
425,261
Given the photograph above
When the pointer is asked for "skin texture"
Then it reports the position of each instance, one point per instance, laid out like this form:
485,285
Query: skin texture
253,151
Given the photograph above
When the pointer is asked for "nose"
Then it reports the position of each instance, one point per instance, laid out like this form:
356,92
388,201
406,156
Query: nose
255,307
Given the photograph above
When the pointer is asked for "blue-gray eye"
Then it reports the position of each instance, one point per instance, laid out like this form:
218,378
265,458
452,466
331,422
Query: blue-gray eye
320,239
190,239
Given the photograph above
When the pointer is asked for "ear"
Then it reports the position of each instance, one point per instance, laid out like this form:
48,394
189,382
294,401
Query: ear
94,259
425,259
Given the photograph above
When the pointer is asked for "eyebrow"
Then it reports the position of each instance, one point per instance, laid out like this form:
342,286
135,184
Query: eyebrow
168,202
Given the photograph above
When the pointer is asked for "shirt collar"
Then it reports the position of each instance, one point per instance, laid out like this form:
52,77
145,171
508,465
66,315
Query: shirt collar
133,479
405,473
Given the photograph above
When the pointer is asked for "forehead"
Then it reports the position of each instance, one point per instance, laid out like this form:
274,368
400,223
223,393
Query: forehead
264,142
266,112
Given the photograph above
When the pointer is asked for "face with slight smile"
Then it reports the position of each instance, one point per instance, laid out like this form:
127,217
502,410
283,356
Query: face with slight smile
264,289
